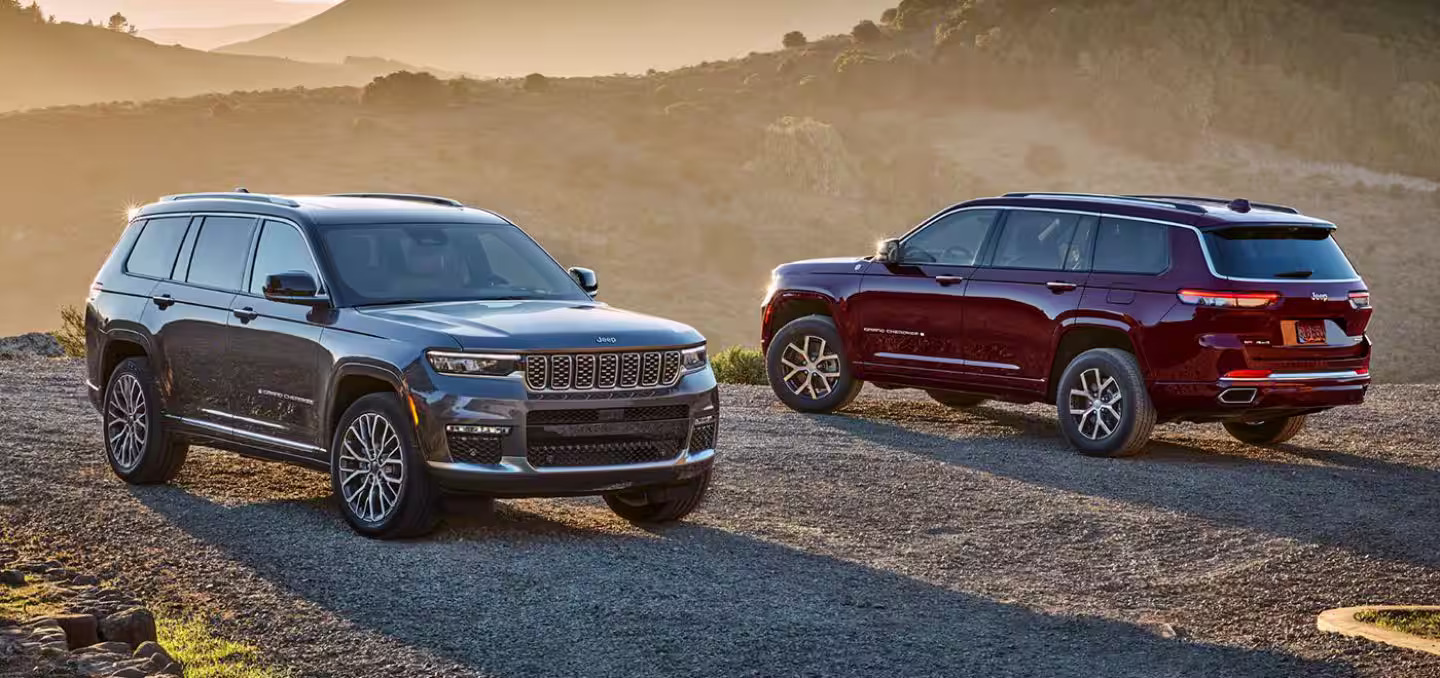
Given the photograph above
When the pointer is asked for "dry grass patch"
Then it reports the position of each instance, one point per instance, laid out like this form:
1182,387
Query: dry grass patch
1423,623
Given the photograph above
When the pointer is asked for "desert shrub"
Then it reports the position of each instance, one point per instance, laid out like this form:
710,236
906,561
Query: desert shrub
866,32
888,16
786,66
407,89
808,155
1044,160
71,334
536,82
739,365
794,39
221,108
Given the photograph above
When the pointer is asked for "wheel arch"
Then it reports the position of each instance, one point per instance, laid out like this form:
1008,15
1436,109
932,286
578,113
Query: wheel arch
351,382
121,345
1083,335
789,305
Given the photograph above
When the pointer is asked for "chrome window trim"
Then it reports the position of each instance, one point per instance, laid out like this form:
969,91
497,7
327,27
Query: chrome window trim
1199,237
323,293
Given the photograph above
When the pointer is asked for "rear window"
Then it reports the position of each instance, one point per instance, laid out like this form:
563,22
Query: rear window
1301,253
155,250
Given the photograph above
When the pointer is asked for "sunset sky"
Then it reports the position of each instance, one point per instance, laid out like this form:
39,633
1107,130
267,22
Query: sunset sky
188,13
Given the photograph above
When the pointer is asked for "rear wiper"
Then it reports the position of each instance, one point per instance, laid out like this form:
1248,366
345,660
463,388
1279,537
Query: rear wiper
1295,274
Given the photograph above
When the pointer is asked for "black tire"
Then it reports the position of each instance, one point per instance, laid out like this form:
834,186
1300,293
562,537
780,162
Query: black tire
647,506
956,400
132,409
1267,432
1136,414
793,337
414,498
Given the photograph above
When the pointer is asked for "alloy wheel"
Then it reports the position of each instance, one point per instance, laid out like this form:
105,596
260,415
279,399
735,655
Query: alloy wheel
1095,405
811,370
128,425
372,468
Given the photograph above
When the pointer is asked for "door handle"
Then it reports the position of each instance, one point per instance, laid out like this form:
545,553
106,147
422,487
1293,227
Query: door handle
948,280
245,314
1058,286
163,301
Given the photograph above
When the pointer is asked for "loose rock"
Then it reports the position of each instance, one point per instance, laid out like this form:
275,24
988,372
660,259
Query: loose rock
134,626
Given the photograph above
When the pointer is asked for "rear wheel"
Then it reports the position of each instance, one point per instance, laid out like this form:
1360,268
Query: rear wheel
137,445
378,473
1104,407
660,505
1267,432
807,366
956,400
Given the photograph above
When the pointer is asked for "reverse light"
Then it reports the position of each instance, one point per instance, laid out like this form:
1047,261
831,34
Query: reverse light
1228,299
694,359
1360,300
474,364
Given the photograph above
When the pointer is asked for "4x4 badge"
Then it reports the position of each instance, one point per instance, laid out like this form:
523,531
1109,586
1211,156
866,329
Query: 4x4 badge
1319,296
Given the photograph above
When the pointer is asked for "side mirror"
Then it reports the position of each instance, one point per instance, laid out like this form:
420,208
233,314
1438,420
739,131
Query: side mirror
294,287
587,280
888,251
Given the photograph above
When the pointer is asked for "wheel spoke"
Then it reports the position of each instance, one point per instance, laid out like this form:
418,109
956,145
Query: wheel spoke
372,464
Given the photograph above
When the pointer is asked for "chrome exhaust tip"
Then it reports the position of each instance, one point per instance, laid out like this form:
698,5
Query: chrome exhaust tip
1237,396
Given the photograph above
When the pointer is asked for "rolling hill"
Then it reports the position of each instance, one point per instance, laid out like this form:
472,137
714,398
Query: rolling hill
556,37
65,63
208,37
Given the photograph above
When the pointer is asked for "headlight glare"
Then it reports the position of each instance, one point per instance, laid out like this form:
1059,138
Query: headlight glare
474,364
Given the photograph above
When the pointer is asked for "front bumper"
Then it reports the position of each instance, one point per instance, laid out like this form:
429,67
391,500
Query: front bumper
515,477
1258,398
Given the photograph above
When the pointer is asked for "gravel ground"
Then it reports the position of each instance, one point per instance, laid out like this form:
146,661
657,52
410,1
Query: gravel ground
898,539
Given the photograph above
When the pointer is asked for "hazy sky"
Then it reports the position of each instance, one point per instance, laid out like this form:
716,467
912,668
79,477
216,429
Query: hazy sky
188,13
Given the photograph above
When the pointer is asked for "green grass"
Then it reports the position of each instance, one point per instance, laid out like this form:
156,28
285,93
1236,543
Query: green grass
739,365
28,602
1424,623
205,655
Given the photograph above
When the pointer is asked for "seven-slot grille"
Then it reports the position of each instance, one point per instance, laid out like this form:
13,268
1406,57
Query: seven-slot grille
601,371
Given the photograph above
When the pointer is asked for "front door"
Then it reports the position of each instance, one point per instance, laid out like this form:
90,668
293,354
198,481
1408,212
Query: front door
275,354
909,316
1015,304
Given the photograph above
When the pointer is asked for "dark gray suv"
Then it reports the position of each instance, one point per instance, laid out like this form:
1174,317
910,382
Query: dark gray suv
407,344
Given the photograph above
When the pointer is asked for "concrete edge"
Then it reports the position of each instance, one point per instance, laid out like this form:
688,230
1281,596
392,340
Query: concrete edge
1342,620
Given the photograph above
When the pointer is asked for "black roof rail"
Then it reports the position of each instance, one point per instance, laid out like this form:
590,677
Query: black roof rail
412,197
245,195
1154,200
1222,201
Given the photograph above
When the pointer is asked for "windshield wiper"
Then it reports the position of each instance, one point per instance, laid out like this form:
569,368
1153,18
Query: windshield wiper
1295,274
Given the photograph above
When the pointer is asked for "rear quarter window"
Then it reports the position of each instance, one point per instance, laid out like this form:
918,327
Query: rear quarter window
1278,252
156,248
1125,246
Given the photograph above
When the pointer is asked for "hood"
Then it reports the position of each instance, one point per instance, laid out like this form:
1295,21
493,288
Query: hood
540,325
831,265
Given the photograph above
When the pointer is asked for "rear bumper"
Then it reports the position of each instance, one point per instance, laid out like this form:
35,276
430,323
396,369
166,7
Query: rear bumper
1259,397
515,477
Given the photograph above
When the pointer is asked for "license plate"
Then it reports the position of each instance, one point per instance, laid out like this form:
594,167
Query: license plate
1309,331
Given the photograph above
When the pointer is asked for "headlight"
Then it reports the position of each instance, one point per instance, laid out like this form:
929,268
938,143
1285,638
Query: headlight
474,364
693,359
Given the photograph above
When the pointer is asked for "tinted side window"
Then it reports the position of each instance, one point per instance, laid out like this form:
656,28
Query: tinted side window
1124,246
155,250
281,249
1038,240
953,239
219,258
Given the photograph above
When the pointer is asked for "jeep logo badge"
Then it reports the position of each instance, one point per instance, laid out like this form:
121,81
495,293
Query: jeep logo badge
1318,296
606,340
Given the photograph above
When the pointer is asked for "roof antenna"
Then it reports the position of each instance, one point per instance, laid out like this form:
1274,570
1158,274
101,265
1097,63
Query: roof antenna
242,189
1240,205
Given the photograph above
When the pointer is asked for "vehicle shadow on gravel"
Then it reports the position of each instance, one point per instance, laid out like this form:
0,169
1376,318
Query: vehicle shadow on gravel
1365,505
516,595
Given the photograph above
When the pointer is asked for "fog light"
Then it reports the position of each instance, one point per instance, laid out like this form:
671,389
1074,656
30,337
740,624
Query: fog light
478,430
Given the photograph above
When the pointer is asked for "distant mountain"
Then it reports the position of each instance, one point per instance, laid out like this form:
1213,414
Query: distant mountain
208,37
56,64
156,13
557,37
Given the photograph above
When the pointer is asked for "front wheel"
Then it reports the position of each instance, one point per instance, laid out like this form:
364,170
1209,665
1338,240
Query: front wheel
660,505
1104,407
807,366
1267,432
378,473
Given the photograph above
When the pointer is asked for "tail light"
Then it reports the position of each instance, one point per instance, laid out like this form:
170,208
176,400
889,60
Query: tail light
1359,300
95,289
1229,299
1248,374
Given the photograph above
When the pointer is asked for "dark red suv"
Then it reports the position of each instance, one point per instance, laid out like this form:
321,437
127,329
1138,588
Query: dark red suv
1124,311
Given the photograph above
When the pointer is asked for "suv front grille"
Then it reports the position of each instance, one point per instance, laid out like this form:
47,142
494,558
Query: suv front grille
703,438
579,372
601,453
655,413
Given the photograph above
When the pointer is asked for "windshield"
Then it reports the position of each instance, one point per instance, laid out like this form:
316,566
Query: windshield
1301,253
413,263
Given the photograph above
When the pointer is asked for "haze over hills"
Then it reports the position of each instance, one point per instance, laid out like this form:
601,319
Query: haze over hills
556,37
208,37
151,14
65,63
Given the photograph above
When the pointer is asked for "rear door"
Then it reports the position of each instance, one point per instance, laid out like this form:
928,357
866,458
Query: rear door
910,316
1014,305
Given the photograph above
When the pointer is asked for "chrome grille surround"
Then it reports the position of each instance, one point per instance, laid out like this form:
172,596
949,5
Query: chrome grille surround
591,372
